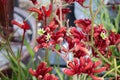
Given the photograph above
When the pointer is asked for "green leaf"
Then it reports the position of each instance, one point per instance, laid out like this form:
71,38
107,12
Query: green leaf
59,73
29,48
33,78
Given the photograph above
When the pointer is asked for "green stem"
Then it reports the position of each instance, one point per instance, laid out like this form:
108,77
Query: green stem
60,13
10,49
19,68
75,77
110,71
29,16
85,76
79,77
3,76
92,16
47,56
98,9
115,65
117,20
90,8
118,71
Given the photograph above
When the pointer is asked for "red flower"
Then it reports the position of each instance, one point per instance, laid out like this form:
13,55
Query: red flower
70,42
84,24
42,12
79,1
51,36
78,35
58,36
47,12
69,1
84,65
80,50
34,2
23,26
96,78
50,77
41,71
64,12
73,68
101,41
99,32
91,68
42,41
114,38
51,27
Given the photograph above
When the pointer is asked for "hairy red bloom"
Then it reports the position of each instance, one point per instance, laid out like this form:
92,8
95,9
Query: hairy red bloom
51,27
78,35
51,36
101,41
73,68
23,26
84,24
75,42
34,2
50,77
41,70
58,36
96,78
114,38
47,12
84,65
98,30
42,41
64,12
42,12
79,1
35,10
69,1
78,54
70,42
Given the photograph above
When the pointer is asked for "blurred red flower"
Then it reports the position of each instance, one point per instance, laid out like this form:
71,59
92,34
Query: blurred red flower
23,26
50,77
77,35
41,71
42,12
84,65
79,1
84,24
34,2
101,41
64,12
114,38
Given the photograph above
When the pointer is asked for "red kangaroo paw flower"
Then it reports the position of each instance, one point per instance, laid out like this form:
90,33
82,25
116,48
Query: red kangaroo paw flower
68,71
24,26
96,78
100,70
34,2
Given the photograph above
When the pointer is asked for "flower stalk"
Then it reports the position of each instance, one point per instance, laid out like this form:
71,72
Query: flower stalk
110,71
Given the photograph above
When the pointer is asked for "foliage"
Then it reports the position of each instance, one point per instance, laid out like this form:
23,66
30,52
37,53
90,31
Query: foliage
94,50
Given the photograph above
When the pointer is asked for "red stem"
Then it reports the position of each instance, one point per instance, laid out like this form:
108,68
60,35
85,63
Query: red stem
22,41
